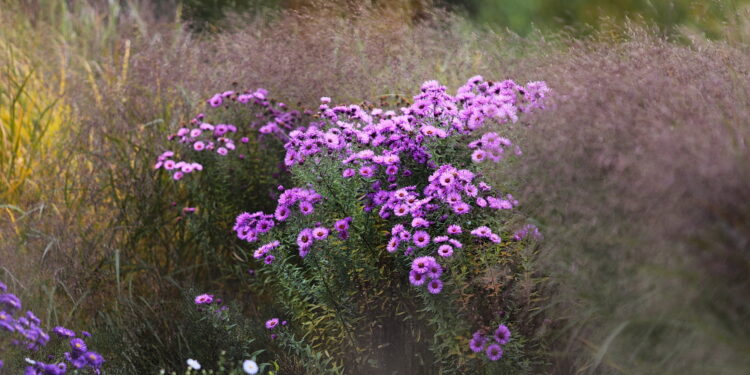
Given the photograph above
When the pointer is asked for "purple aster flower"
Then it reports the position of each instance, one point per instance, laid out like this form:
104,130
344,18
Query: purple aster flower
169,165
446,179
320,233
471,190
495,238
3,287
429,131
409,251
366,171
454,229
434,286
476,344
453,198
439,239
348,172
482,231
86,333
303,252
215,100
264,226
78,345
78,362
502,334
421,238
63,332
461,208
342,225
481,202
416,278
391,170
260,252
418,222
10,301
478,156
282,213
305,238
494,352
445,251
344,234
392,244
434,270
401,210
269,259
33,318
422,264
204,299
94,359
271,323
306,207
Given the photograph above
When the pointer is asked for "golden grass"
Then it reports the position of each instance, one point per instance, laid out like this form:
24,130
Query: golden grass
31,115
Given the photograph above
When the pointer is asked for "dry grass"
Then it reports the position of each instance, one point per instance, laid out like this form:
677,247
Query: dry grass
640,174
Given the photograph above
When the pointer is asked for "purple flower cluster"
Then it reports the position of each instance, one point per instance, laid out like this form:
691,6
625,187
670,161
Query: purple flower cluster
27,327
204,299
305,198
273,323
426,270
262,252
249,226
492,346
490,147
307,236
26,332
178,168
382,148
222,139
526,231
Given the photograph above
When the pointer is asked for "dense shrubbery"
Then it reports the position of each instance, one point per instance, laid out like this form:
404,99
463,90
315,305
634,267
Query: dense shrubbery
384,196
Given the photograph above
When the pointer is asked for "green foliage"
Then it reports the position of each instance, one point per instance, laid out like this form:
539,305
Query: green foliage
522,15
208,15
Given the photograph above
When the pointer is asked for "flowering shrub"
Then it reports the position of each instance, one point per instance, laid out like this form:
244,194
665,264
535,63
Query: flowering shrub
25,331
391,205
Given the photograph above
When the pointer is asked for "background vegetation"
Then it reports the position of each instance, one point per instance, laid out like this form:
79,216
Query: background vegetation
637,173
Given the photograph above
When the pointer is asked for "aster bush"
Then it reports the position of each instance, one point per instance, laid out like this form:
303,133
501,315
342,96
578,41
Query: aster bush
392,240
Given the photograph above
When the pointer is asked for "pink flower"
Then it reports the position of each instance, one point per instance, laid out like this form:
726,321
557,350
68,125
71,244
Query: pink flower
204,299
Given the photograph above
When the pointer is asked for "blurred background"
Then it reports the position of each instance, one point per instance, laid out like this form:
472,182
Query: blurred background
519,16
638,173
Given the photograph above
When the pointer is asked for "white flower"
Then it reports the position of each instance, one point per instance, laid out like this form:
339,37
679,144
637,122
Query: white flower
193,364
30,361
250,367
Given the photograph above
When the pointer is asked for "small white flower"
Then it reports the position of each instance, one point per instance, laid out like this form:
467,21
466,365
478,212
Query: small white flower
193,364
30,361
250,367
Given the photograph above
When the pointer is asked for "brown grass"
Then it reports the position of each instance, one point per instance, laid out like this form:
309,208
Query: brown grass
640,174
